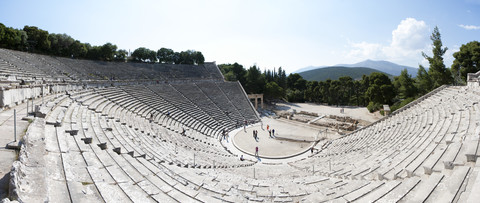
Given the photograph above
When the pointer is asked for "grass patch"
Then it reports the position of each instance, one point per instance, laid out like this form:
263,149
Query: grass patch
87,183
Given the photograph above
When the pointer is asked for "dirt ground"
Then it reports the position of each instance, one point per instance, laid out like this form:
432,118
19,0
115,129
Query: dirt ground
359,113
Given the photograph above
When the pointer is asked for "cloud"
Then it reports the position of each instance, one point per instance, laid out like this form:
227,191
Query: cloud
365,49
409,35
469,27
409,39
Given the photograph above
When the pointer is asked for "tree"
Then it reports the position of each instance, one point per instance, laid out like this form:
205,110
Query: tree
239,72
311,92
78,50
405,85
3,29
346,84
12,38
145,55
467,60
120,55
424,81
60,44
255,81
296,81
107,51
165,55
93,53
282,78
380,90
190,57
273,91
37,39
198,58
439,74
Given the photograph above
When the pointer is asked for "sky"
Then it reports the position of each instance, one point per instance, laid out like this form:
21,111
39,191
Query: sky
291,34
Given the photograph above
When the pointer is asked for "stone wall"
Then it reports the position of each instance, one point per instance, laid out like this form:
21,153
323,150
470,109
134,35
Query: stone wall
12,96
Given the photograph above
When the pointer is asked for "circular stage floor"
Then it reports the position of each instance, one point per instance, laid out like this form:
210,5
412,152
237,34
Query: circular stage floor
275,148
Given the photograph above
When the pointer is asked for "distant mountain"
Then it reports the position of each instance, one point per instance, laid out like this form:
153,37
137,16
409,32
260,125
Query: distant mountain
384,66
308,68
335,72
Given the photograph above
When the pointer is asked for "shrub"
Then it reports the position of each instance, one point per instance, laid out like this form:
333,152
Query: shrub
372,107
402,103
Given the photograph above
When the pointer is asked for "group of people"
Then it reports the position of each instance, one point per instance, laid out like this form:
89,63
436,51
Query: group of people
271,133
255,135
224,135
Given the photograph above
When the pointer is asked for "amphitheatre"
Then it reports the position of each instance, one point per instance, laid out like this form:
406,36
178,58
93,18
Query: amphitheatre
91,131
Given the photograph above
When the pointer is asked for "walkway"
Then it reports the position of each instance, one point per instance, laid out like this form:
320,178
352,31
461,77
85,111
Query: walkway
8,156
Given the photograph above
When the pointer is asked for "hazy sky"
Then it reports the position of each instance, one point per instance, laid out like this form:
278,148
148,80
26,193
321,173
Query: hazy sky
269,33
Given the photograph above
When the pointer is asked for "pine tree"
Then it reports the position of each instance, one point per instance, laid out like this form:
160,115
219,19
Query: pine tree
439,74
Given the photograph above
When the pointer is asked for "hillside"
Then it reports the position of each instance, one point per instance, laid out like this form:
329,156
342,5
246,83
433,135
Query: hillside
335,72
383,66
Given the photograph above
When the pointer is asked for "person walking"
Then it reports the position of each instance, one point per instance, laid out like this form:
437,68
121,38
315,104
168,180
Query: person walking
256,151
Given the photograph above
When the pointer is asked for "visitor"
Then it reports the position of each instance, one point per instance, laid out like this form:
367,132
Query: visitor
311,150
268,127
241,158
273,132
256,151
270,133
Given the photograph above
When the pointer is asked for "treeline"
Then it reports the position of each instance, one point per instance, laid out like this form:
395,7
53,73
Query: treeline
372,91
35,40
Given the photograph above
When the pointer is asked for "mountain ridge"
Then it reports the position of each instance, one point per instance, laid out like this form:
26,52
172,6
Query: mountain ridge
381,65
335,72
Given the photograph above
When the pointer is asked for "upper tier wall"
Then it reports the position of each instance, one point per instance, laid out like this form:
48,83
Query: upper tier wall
22,65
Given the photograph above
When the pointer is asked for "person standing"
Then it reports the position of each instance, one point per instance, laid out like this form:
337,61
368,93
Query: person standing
256,151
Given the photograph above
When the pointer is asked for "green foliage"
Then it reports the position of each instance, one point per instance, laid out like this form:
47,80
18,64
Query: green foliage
273,90
78,49
11,38
120,55
296,81
294,95
189,57
165,55
405,85
372,107
467,60
60,44
439,74
143,54
380,89
255,81
402,103
37,39
234,72
334,73
33,39
424,82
